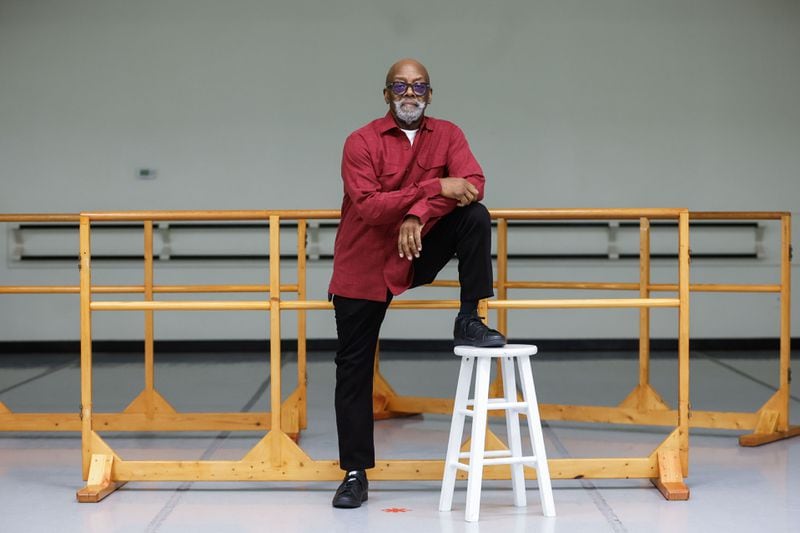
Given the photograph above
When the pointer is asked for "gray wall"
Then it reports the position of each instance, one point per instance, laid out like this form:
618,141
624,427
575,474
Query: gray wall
245,104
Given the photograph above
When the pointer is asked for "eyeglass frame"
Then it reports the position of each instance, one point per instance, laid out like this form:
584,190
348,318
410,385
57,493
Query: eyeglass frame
390,87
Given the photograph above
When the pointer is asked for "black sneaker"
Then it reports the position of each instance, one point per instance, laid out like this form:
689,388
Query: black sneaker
353,490
471,331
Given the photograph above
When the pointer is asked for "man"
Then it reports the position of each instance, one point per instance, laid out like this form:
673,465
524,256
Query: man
411,192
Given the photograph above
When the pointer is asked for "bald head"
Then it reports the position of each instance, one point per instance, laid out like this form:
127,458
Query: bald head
407,66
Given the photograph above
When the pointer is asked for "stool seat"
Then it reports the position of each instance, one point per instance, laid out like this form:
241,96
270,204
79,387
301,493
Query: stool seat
510,350
510,356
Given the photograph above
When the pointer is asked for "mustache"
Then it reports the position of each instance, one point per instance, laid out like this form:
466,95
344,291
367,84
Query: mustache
412,101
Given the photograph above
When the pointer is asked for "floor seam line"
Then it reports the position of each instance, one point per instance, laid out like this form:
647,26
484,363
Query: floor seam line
174,500
594,493
745,375
45,373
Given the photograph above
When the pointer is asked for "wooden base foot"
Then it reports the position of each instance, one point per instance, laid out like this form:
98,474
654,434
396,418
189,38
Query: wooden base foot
757,439
670,479
99,484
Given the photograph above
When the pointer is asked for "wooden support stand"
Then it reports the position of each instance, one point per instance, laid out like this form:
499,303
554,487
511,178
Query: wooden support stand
277,456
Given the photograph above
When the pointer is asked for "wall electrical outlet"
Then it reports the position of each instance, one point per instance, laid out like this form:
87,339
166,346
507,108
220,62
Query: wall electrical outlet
147,174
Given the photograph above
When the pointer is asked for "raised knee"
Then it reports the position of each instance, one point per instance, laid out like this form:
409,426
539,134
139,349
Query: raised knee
478,214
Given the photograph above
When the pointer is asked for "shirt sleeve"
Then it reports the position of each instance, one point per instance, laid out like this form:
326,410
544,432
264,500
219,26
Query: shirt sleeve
461,163
374,206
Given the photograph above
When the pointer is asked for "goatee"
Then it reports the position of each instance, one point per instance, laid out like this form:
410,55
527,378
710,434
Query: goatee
406,115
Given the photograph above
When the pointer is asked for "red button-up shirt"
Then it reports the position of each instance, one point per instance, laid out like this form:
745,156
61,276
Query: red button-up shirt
386,179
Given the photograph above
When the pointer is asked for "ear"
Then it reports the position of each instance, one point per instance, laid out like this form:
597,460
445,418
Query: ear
430,95
386,97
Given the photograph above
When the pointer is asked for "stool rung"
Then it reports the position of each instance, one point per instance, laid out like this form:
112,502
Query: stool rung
510,460
488,453
490,401
494,406
501,461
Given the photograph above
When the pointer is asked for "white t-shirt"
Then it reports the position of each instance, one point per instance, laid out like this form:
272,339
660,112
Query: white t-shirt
410,134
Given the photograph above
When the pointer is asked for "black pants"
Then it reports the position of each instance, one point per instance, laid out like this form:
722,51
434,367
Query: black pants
465,232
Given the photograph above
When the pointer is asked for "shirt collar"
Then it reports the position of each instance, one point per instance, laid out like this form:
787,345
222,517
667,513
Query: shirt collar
387,123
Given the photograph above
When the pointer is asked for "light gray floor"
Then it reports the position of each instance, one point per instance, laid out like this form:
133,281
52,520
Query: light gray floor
733,489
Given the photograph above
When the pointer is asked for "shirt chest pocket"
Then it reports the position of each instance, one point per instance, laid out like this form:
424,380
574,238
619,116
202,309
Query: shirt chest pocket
389,175
433,166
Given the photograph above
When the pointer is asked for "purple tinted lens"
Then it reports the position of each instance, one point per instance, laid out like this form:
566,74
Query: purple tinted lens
399,87
420,88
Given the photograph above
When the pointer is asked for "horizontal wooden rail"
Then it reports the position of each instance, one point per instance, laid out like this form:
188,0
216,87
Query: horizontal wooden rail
738,215
597,303
589,303
138,289
143,216
182,306
39,217
511,214
585,214
718,287
249,469
661,287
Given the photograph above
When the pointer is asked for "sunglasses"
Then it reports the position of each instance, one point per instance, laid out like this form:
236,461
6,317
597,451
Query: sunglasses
420,88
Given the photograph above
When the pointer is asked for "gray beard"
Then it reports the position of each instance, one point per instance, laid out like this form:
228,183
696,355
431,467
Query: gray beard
408,116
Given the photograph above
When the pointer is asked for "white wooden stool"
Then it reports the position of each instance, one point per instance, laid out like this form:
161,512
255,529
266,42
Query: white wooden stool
478,457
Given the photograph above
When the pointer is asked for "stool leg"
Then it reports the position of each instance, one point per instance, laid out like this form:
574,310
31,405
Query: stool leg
512,425
456,433
537,438
478,439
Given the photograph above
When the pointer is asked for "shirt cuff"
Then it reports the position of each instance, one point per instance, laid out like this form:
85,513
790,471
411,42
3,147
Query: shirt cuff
431,187
420,210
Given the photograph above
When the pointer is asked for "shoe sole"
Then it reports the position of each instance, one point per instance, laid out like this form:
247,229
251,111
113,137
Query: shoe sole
484,344
364,498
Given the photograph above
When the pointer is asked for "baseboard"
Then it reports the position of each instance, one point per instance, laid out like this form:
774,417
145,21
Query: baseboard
746,347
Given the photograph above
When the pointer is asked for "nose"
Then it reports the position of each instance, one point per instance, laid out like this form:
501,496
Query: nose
409,87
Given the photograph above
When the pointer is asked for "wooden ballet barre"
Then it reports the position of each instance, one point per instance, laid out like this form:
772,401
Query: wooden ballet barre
149,411
39,217
161,305
312,214
769,423
204,215
590,303
630,286
277,457
718,287
585,214
738,215
578,285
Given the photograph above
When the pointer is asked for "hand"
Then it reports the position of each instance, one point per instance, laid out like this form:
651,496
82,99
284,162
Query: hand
459,189
409,241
